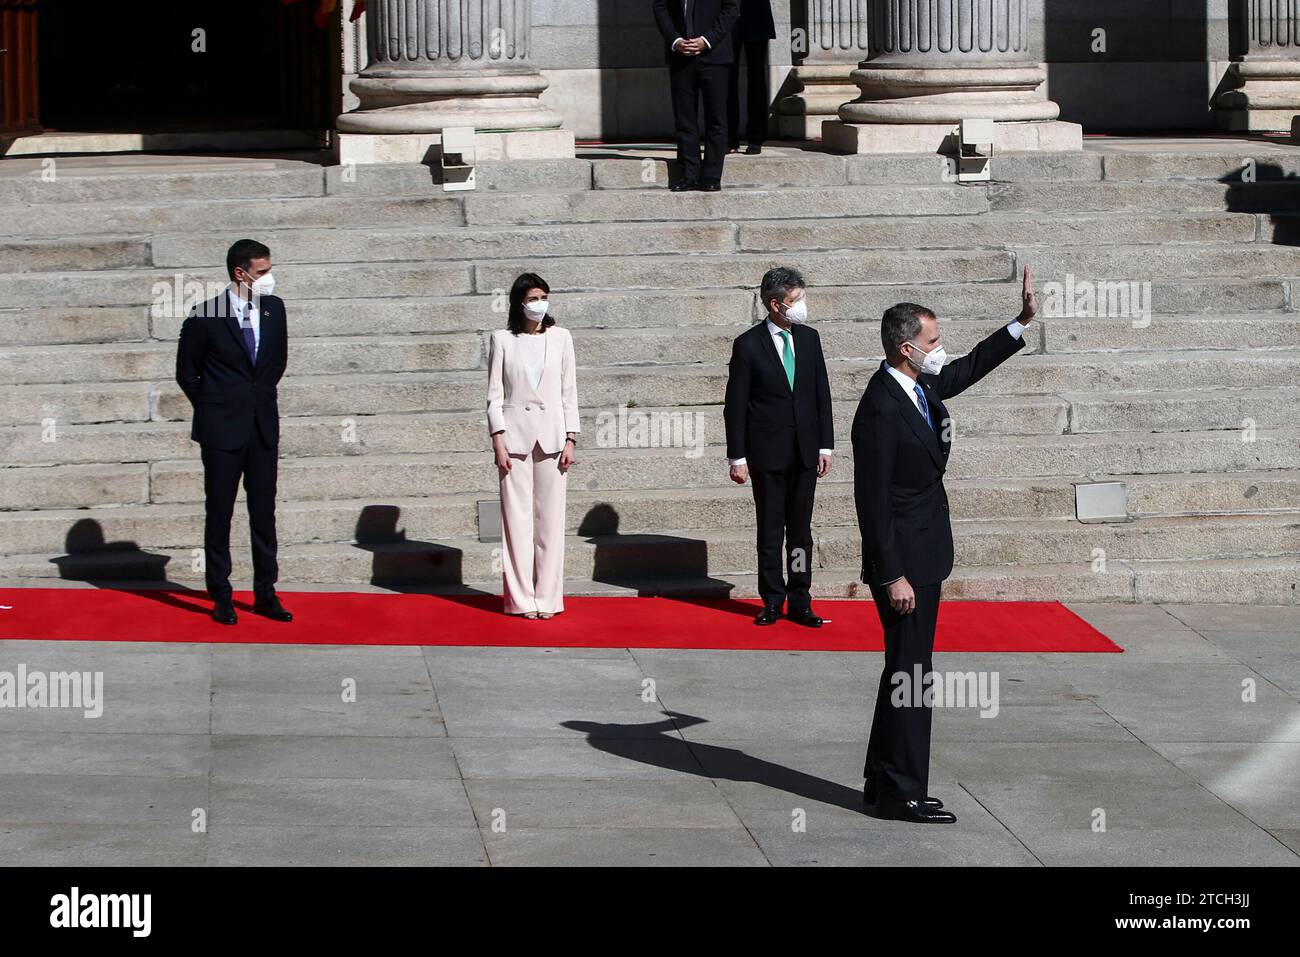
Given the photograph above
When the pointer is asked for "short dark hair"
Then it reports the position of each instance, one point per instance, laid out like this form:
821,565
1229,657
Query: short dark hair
242,254
777,283
901,323
515,321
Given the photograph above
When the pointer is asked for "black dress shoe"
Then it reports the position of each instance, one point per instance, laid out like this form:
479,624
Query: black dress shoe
805,617
223,612
915,812
770,615
271,608
869,797
684,186
753,149
709,187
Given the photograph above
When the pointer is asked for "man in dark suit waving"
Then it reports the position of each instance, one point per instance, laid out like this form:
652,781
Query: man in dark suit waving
233,350
780,433
902,436
699,51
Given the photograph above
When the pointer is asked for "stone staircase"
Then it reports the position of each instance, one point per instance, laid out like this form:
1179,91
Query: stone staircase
392,285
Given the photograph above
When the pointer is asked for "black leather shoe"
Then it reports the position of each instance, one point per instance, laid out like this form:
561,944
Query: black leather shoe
869,797
753,149
805,617
915,812
709,187
770,615
223,612
684,186
271,608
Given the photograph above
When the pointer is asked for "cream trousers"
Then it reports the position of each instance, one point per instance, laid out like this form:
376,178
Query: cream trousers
532,533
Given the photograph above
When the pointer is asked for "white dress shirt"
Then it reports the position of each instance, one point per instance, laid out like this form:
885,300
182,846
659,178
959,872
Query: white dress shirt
241,311
778,343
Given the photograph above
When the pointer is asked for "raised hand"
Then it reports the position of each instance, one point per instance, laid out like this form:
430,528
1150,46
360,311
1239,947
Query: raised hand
1028,299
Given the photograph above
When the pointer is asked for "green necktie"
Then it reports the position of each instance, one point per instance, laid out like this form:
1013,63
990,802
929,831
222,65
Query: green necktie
788,358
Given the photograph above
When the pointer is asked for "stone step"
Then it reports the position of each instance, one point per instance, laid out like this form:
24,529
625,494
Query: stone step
608,387
697,430
150,215
1264,165
845,266
129,362
1213,301
1116,196
998,229
417,179
171,291
1170,260
64,183
724,505
44,255
372,244
485,209
776,167
677,554
418,474
411,352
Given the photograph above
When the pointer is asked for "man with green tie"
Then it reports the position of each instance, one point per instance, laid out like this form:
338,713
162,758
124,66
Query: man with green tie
780,434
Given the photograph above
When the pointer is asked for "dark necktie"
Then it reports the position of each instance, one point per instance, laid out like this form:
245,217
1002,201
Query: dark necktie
250,341
688,10
925,406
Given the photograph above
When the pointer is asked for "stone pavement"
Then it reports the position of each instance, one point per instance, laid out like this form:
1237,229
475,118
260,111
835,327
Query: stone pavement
464,756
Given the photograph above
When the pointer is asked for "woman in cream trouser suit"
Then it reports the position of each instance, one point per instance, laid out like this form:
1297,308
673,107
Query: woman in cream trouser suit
532,411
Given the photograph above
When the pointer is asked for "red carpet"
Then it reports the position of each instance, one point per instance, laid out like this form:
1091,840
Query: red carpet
343,618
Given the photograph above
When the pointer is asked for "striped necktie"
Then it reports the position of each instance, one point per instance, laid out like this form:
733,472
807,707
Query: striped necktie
925,406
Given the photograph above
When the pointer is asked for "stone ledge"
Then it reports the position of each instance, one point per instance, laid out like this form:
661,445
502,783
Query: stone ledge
1046,137
365,149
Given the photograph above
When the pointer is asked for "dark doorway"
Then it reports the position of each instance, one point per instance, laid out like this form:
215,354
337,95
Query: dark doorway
162,66
19,111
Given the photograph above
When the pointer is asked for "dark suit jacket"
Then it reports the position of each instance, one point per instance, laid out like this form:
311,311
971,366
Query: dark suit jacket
756,23
230,397
898,467
714,20
769,425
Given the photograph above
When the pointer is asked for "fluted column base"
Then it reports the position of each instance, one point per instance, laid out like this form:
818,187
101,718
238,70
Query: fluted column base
820,90
909,94
402,114
911,108
1264,98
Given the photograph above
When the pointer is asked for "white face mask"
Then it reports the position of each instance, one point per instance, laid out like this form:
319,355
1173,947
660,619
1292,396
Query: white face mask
536,309
264,286
933,361
798,312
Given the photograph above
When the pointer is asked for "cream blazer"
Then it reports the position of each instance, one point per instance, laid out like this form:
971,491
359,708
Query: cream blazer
543,415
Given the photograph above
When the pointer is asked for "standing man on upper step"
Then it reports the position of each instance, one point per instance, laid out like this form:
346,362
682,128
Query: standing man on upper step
781,434
233,350
699,51
902,435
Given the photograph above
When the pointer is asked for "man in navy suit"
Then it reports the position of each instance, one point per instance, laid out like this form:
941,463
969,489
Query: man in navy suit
902,435
698,49
232,353
751,34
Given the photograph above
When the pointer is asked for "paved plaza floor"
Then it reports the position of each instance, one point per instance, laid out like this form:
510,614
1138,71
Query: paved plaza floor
1183,750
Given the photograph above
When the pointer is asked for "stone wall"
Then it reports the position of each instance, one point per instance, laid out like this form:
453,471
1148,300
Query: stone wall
1154,65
